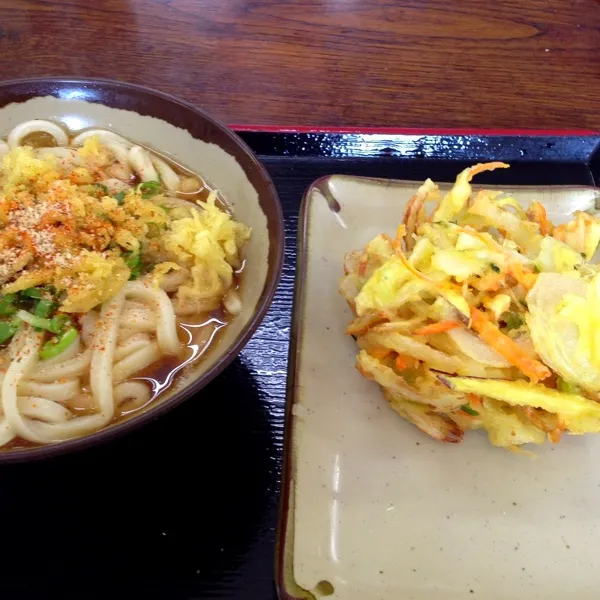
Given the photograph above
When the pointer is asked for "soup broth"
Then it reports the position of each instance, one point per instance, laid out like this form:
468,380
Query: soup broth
173,245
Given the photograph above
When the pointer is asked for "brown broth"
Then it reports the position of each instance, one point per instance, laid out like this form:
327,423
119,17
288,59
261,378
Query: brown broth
199,334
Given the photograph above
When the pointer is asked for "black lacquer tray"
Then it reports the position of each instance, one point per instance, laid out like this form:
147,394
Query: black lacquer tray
187,507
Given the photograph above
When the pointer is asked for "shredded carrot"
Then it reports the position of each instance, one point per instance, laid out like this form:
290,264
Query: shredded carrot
400,363
379,352
439,327
526,279
404,260
475,400
507,348
537,214
400,233
405,362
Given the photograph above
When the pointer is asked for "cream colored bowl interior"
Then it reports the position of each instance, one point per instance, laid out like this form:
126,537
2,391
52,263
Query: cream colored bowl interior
209,160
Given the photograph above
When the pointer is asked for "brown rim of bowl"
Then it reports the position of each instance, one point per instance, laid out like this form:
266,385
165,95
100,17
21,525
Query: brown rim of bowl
116,94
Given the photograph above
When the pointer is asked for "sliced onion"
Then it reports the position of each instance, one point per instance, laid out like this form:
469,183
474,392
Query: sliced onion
474,347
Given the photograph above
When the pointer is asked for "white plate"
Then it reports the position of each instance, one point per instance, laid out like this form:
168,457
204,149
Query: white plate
373,508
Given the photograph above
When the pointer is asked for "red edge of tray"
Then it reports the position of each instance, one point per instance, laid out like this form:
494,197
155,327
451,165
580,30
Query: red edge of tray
409,130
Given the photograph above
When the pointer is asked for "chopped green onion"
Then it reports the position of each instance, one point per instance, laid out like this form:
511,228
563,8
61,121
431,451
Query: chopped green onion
7,306
120,197
148,189
57,345
513,321
38,292
495,268
103,188
466,408
32,293
45,308
34,321
166,208
59,323
8,329
135,273
132,259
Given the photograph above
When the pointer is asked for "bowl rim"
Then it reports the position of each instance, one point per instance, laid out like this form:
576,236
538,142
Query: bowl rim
264,302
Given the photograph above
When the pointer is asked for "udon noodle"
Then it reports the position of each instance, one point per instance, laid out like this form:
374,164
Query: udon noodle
112,257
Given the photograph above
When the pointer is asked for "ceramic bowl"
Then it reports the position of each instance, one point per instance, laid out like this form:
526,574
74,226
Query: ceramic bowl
195,139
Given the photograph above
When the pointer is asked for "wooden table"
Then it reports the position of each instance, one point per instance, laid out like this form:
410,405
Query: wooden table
401,63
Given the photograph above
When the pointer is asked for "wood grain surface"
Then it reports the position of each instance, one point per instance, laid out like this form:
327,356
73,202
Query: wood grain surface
402,63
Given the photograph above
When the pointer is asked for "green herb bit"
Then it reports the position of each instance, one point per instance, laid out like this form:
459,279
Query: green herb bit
58,344
120,198
44,308
8,329
495,268
513,321
149,189
467,408
38,292
7,306
34,292
102,188
59,323
132,259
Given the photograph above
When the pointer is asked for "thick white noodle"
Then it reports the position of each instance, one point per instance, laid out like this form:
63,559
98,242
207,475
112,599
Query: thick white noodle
135,393
139,319
119,170
115,185
169,178
27,343
166,326
7,431
38,395
117,144
131,344
125,333
88,326
140,162
171,281
43,409
24,129
58,391
135,362
232,302
104,345
68,369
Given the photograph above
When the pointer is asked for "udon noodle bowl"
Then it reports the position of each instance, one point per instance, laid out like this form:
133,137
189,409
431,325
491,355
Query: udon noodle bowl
117,269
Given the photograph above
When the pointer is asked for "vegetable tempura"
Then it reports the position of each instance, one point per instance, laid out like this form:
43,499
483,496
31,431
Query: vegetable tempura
482,315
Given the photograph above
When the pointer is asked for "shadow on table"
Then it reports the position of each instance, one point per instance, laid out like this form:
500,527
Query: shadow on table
167,512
